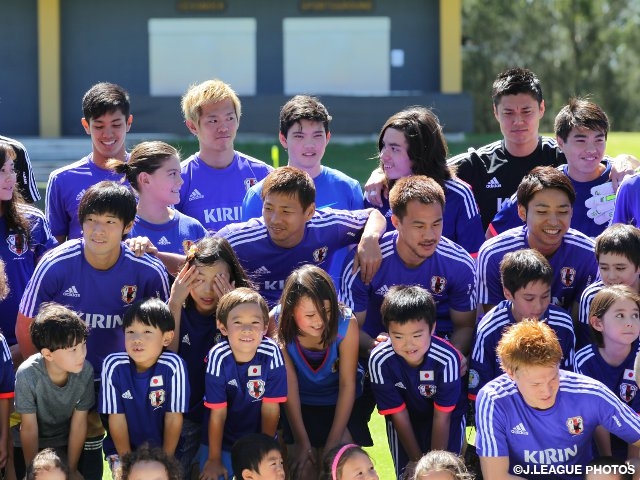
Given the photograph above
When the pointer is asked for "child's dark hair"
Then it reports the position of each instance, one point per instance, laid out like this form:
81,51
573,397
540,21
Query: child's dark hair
151,311
248,451
543,178
14,217
522,267
56,327
210,250
108,197
603,300
604,461
146,157
316,284
45,461
581,113
292,182
334,460
442,461
105,97
514,81
303,107
145,453
240,296
620,239
403,304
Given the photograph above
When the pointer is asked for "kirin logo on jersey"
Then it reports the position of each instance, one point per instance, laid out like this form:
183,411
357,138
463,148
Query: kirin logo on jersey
627,391
575,425
320,254
129,293
17,243
256,388
157,398
249,182
427,390
438,284
567,276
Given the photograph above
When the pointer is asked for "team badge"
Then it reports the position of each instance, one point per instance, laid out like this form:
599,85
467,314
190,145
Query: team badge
427,390
156,381
629,374
255,370
156,398
567,276
426,375
320,254
249,182
256,388
438,284
627,392
129,293
474,378
575,425
17,243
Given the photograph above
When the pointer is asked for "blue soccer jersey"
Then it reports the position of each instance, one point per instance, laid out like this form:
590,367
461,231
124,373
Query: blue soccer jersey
627,209
484,362
583,331
449,275
65,188
556,437
242,387
100,297
461,219
143,397
213,196
435,384
20,253
269,265
7,374
174,236
581,220
574,266
620,379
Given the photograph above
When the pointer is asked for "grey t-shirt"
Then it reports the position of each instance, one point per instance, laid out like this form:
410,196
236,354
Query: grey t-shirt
53,405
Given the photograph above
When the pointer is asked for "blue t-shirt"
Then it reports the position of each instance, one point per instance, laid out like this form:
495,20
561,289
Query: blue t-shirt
174,236
583,331
627,209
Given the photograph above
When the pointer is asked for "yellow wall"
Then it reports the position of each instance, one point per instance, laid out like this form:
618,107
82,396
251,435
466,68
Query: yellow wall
49,67
451,46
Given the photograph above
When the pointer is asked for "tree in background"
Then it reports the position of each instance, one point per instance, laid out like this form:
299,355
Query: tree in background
576,47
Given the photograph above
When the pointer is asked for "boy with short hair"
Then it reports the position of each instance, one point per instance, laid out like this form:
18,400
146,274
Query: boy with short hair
526,281
545,203
257,456
217,177
107,119
581,129
245,383
144,390
54,390
416,381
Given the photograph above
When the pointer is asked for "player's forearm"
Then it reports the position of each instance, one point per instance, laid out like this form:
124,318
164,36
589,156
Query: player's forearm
119,432
402,425
440,430
375,227
176,311
23,336
77,437
171,432
270,415
344,406
29,441
216,431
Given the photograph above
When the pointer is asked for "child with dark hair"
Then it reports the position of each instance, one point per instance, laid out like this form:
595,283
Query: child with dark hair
54,391
47,465
144,390
257,456
146,463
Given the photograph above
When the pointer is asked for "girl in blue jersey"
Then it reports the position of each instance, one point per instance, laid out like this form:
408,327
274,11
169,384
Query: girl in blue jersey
153,170
319,338
211,270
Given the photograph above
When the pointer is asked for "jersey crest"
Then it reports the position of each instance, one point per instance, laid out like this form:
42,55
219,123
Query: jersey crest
17,243
320,254
156,398
249,182
575,425
427,390
567,275
256,388
627,392
438,284
129,293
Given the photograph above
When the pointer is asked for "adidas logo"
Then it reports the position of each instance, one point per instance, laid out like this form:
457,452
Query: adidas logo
195,195
262,271
79,197
388,213
493,183
127,395
164,241
233,382
72,291
186,339
382,290
519,429
401,385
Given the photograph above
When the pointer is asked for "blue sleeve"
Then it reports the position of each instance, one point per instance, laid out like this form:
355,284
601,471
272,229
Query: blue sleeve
506,218
252,203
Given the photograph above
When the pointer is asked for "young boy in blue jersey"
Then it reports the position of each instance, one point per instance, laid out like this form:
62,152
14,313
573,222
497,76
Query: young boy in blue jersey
54,391
526,280
545,203
416,381
257,456
144,390
291,232
245,383
107,119
216,177
581,129
537,421
618,255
